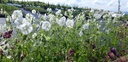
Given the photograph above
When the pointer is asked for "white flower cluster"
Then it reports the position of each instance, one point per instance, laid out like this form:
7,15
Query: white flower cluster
62,21
70,23
51,18
49,9
46,25
26,27
58,12
24,24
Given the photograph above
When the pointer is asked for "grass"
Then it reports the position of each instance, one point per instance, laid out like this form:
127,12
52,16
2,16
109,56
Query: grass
9,9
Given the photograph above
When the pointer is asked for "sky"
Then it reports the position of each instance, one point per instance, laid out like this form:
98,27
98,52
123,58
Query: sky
111,5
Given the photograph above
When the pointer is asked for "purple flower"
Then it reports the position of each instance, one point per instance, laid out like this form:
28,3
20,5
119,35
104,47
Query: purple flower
111,55
113,50
7,34
10,32
72,51
118,55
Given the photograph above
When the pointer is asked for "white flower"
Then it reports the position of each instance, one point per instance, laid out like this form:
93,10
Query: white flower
26,27
51,18
62,21
17,14
34,35
46,25
49,9
69,10
58,12
1,11
80,33
51,15
86,26
65,13
34,11
97,16
18,22
8,19
70,23
29,17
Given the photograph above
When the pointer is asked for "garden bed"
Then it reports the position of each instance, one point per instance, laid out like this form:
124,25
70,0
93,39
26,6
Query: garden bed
56,38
